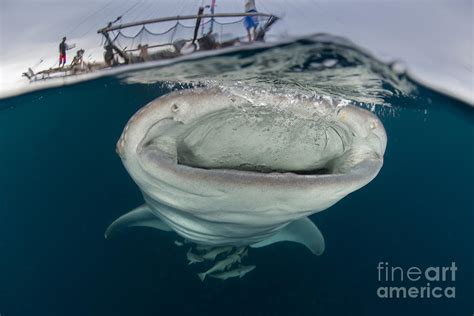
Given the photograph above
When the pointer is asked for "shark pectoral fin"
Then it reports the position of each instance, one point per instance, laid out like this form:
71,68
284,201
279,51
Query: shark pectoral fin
141,216
302,231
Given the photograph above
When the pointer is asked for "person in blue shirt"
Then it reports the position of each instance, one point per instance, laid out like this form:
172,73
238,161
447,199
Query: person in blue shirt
251,22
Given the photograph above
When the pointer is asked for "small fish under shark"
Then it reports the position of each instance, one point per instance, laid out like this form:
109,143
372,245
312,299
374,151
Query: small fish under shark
210,255
225,263
193,258
240,271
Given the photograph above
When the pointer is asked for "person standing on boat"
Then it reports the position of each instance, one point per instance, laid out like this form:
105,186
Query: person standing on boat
251,22
63,47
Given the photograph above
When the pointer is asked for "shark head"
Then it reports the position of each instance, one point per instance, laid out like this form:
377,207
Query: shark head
235,168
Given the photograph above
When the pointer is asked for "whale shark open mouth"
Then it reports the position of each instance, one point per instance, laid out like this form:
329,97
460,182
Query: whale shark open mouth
235,168
250,141
258,139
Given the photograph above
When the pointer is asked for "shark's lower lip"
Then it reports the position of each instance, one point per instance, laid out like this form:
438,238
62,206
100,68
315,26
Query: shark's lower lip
161,167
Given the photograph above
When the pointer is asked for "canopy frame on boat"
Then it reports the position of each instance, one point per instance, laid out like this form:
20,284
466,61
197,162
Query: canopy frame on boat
110,27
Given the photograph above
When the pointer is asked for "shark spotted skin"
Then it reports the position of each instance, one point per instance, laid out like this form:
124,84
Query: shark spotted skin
222,168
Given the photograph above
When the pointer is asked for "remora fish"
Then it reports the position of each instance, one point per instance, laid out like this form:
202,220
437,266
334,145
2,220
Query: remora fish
240,271
221,265
193,258
211,255
178,243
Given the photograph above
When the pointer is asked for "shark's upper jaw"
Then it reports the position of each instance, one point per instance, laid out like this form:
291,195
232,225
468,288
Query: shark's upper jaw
216,166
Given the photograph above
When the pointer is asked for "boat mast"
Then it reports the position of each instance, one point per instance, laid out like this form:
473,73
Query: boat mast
198,23
213,4
110,46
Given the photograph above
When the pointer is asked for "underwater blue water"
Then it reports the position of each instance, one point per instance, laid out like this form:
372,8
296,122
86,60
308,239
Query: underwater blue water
62,184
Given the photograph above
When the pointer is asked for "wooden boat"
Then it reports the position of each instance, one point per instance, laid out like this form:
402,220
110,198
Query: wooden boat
210,31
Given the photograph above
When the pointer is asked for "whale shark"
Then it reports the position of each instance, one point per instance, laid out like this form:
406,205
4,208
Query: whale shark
227,167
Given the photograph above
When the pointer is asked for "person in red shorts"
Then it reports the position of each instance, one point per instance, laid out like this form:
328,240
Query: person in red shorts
63,47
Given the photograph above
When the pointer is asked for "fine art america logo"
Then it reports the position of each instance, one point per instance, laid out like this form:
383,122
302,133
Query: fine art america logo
416,282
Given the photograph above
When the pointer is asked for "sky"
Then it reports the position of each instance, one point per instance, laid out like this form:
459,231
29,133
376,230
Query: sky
433,38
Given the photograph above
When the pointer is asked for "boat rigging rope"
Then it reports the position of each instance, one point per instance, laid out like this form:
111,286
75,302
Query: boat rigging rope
129,9
74,29
37,64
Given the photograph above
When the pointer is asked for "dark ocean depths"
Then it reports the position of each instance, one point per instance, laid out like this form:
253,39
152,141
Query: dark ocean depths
62,184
